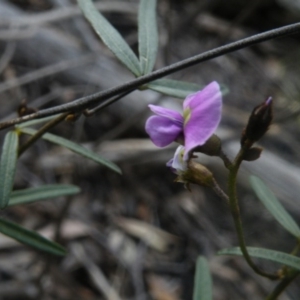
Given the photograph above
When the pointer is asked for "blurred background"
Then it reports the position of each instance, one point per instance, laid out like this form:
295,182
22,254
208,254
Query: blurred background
137,236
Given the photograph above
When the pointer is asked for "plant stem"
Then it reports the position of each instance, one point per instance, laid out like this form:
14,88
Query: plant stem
41,132
282,285
235,211
218,190
103,96
227,162
90,112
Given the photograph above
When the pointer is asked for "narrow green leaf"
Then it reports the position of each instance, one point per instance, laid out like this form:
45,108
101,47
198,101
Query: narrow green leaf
274,206
36,121
202,281
41,193
75,148
174,88
30,238
177,88
148,36
8,165
276,256
110,36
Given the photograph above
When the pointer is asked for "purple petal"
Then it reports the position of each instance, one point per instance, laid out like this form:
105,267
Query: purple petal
167,113
196,99
269,101
205,115
162,131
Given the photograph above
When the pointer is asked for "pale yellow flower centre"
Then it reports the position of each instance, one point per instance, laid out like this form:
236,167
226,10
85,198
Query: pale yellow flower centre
186,115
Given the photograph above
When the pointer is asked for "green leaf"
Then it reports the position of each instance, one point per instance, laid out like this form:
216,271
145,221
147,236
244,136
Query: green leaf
274,206
36,121
75,148
30,238
8,165
148,36
202,281
41,193
110,36
174,88
276,256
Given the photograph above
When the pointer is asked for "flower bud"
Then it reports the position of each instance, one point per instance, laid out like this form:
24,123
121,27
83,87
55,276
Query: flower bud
24,110
252,153
259,122
197,174
212,146
72,117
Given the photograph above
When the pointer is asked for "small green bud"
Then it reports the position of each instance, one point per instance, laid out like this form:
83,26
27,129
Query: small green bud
212,146
197,174
252,153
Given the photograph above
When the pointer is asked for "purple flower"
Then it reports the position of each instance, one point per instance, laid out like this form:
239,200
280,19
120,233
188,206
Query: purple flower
201,117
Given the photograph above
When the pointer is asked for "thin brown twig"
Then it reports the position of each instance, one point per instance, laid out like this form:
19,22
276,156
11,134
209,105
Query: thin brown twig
41,132
90,112
86,102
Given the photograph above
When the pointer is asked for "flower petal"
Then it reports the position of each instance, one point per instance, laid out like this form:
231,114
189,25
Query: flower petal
202,96
162,131
205,115
178,163
167,113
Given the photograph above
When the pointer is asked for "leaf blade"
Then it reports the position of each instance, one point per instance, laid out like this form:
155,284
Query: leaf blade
177,88
36,121
273,255
202,281
30,238
110,36
41,193
75,148
174,88
273,205
8,163
147,35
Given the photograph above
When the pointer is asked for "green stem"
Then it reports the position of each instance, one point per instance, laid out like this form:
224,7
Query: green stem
282,285
284,270
41,132
235,211
226,160
90,112
218,190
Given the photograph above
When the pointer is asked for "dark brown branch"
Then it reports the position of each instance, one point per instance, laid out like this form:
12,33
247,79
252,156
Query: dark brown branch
86,102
